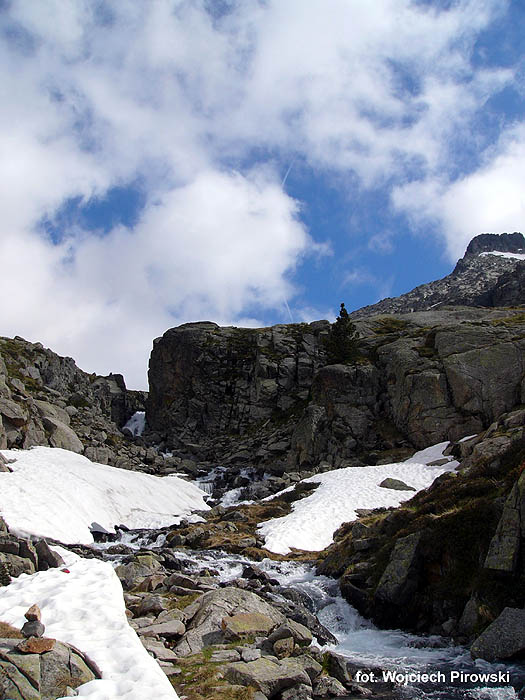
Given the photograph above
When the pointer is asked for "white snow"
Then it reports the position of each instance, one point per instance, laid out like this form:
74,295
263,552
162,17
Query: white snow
433,454
57,493
314,519
85,607
136,423
517,256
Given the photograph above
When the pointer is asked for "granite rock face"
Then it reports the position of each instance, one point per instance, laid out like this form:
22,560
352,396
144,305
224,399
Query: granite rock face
266,397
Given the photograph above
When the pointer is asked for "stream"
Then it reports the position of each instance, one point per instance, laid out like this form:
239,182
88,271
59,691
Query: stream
380,654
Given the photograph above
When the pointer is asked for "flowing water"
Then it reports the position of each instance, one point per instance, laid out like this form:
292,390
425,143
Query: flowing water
450,668
382,655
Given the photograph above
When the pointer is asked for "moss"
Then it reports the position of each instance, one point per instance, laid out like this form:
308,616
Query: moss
181,602
200,679
514,320
389,324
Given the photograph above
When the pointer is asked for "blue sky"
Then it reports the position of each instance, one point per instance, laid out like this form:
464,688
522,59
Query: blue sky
249,162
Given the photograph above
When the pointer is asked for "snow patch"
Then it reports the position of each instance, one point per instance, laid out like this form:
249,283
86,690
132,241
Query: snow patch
85,608
56,493
517,256
314,519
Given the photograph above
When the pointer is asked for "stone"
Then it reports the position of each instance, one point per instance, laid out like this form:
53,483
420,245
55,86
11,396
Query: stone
396,485
168,630
328,687
12,411
248,654
247,625
399,579
300,692
283,647
270,677
33,613
62,435
503,639
36,645
158,650
47,558
203,626
33,628
225,656
32,676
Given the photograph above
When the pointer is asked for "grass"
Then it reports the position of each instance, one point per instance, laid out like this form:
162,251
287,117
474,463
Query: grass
201,680
7,631
389,324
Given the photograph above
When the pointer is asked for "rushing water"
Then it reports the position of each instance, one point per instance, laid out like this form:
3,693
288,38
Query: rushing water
450,668
374,649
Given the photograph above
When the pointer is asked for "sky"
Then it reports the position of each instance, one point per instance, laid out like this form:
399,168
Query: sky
248,162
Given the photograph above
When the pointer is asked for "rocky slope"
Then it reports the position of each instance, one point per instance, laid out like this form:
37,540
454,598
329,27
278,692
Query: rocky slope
46,399
267,398
479,279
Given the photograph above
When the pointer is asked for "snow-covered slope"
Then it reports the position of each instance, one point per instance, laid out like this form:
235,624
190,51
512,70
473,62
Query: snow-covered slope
59,494
83,605
314,519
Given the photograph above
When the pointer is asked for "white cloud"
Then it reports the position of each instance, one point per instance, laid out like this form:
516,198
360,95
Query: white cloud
491,199
96,95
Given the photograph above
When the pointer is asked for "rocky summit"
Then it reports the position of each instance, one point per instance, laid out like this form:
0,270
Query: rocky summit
491,273
261,409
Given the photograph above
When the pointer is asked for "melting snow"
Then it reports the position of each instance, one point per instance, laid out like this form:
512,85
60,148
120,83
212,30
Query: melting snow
59,494
85,607
314,519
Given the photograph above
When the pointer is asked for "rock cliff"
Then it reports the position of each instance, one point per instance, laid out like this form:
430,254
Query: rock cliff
46,399
267,397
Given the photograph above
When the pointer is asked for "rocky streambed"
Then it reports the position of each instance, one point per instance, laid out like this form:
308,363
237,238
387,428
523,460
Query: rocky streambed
224,626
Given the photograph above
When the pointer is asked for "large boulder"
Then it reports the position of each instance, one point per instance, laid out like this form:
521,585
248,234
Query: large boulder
42,676
268,675
503,639
205,626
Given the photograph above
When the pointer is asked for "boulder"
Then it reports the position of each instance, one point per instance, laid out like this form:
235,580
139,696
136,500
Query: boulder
62,435
399,579
27,675
253,624
503,639
267,675
204,627
396,485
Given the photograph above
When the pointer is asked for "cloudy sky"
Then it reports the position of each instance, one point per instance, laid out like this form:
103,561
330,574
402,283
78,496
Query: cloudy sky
245,161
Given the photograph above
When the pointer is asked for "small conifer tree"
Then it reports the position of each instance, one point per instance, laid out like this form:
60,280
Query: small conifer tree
342,342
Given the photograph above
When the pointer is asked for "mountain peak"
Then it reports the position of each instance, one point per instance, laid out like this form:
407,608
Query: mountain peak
494,242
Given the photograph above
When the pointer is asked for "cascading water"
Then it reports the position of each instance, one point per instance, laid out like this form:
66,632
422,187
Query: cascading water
403,657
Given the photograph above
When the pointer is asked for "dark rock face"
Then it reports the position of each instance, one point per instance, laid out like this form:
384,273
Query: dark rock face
265,397
477,280
452,558
47,400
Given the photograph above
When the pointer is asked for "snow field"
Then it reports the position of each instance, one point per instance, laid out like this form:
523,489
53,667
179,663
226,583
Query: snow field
57,493
314,519
85,608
